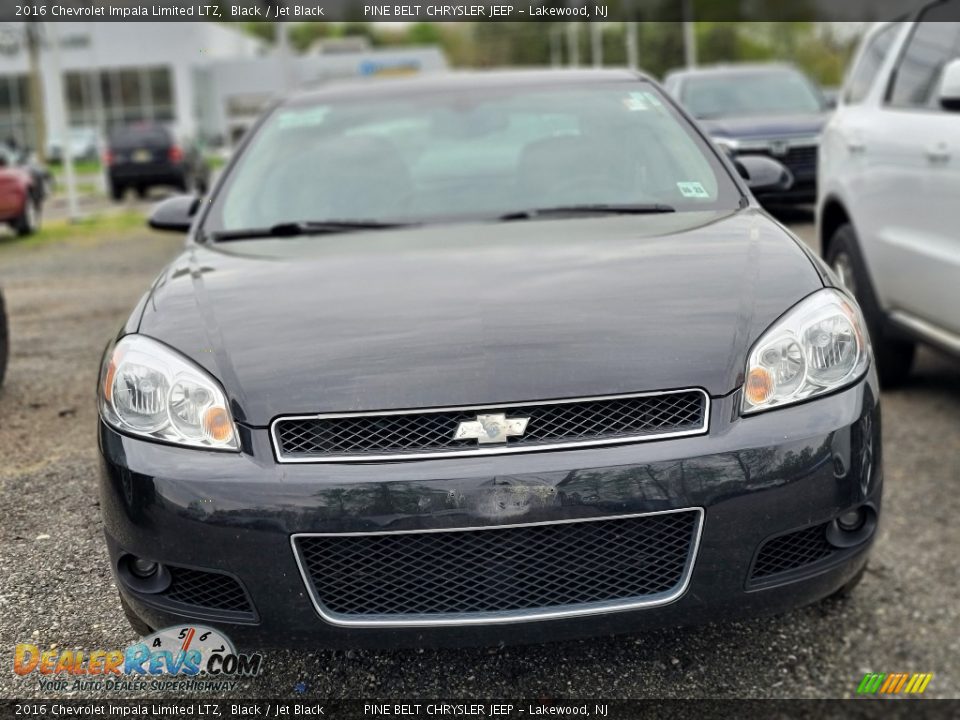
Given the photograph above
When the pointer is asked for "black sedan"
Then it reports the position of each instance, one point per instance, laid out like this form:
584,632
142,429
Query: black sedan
770,109
483,358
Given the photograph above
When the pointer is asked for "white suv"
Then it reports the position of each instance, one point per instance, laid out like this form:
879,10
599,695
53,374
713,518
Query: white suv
889,186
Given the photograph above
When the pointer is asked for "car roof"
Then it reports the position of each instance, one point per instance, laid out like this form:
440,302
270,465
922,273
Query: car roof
460,80
729,69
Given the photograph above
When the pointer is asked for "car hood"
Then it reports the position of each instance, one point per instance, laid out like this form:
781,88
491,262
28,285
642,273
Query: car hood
479,313
766,126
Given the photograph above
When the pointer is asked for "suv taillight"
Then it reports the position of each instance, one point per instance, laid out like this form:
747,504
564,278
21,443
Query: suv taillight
175,154
108,158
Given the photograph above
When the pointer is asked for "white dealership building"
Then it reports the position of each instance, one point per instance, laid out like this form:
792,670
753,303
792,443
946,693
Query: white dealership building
204,79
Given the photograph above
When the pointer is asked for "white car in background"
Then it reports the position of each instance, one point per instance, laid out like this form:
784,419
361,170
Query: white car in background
84,143
889,186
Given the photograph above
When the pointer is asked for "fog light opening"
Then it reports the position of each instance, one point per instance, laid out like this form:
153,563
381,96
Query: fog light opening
143,568
852,527
852,521
142,575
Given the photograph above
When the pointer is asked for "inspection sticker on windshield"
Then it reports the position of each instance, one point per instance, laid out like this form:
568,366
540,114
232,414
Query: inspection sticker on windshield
636,101
303,118
692,190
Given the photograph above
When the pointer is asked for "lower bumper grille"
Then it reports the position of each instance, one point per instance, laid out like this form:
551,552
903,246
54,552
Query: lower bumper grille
207,590
499,574
792,551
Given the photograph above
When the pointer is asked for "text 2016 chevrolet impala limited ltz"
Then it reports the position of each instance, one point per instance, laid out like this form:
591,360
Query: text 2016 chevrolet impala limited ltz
483,358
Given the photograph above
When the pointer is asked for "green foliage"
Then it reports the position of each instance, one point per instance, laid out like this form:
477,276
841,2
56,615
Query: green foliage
92,227
80,167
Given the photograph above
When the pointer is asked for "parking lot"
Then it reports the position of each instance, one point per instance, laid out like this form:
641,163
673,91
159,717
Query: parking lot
66,298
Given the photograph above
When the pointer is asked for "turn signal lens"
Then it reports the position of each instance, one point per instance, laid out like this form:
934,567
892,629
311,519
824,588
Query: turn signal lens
817,347
150,390
217,425
759,386
108,379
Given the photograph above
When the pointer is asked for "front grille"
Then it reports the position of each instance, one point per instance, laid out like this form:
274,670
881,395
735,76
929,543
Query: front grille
206,590
406,434
499,573
801,160
791,551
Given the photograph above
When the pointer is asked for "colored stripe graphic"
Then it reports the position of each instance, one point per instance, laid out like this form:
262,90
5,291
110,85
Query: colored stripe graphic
894,683
870,683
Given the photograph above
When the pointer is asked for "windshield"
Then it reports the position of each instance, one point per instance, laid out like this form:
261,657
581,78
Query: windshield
475,153
744,94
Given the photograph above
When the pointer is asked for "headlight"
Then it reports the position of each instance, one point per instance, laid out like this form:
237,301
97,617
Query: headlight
149,390
818,346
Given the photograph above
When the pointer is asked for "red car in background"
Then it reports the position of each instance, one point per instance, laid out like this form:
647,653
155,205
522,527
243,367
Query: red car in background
21,198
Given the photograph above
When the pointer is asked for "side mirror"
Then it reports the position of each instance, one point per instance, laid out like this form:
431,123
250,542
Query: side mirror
949,92
174,214
763,174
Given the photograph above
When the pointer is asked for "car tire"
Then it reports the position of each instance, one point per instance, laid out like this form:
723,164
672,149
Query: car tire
894,355
142,191
29,220
117,192
4,340
138,625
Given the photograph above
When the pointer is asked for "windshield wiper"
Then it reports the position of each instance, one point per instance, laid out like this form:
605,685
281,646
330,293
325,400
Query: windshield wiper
588,209
293,229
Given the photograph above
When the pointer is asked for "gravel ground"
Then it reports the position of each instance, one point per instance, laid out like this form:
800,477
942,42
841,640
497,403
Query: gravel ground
65,300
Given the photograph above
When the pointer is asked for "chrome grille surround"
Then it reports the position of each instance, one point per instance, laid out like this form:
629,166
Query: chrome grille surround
503,617
692,406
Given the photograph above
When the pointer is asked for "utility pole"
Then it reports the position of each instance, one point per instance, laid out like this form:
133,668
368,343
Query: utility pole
689,35
281,38
283,49
556,46
33,39
73,210
97,98
630,35
596,43
633,60
573,43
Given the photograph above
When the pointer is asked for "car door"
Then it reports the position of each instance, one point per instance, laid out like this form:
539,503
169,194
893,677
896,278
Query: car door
912,151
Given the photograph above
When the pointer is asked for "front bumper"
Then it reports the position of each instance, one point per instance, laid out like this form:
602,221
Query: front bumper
755,479
150,173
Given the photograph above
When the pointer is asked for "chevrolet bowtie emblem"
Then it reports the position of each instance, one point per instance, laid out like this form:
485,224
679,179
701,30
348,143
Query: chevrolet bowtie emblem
494,428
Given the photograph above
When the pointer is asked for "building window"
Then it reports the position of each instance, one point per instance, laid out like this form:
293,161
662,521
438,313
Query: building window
126,95
16,117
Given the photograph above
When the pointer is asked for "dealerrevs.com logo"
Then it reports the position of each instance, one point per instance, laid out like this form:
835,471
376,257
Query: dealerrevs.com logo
191,657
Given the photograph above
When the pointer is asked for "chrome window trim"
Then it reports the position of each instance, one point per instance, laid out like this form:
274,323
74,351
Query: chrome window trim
502,617
499,449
